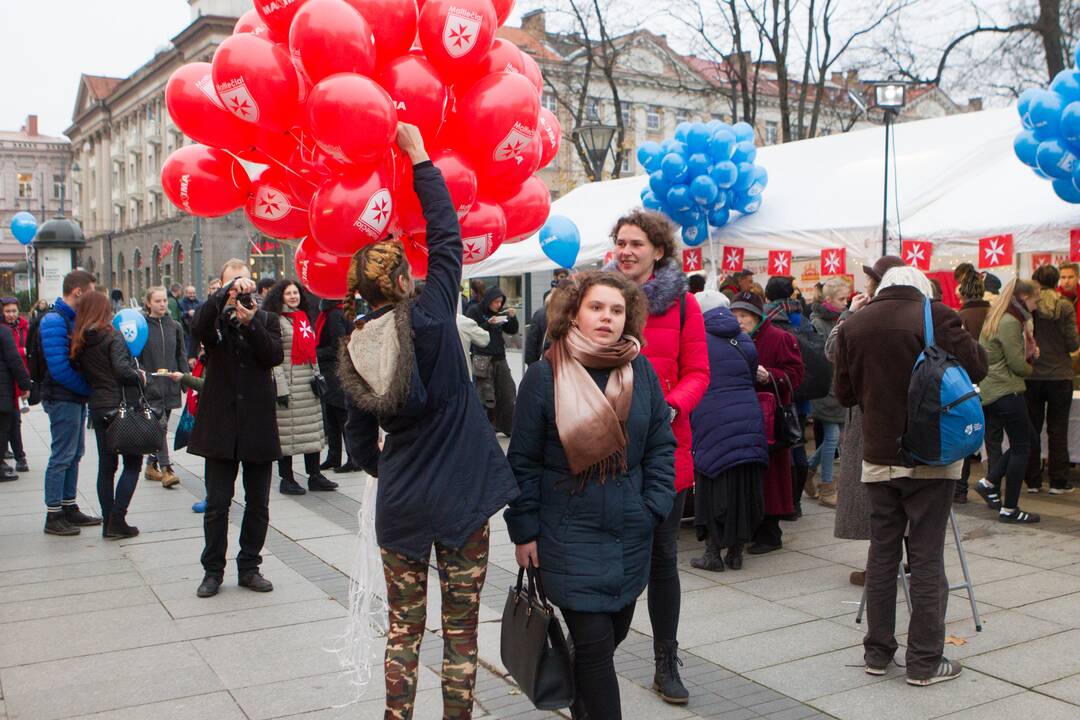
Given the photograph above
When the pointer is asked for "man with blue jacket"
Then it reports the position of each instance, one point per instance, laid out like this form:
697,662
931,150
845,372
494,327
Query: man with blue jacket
64,397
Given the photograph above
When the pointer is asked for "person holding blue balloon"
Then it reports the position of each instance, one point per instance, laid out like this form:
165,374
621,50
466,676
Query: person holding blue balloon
103,355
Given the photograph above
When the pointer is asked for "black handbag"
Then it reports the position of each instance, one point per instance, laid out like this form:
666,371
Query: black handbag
533,647
319,386
135,428
788,427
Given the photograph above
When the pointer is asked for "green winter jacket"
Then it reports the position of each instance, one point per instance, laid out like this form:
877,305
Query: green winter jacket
1005,357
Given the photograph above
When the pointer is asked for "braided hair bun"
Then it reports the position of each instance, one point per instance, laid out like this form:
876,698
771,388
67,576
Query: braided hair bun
374,274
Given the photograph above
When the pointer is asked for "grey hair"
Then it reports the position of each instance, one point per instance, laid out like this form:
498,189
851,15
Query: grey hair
836,287
912,277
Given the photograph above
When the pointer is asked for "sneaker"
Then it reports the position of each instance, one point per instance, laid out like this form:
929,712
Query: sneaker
347,468
57,524
321,483
255,581
75,516
1062,490
875,670
291,487
21,466
1018,516
208,587
168,477
989,494
1035,490
152,473
7,473
946,670
199,507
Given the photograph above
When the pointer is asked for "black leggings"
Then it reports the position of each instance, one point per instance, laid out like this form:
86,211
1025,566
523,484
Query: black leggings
1011,412
595,636
311,466
665,593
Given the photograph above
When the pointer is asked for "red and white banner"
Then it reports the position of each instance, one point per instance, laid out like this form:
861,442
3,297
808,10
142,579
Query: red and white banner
733,259
691,260
1074,245
779,262
833,262
1040,259
995,251
917,254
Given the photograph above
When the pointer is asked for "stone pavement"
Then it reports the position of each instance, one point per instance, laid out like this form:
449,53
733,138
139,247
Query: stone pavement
95,629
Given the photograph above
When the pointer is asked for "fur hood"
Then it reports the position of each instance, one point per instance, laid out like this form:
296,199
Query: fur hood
363,348
664,288
1051,305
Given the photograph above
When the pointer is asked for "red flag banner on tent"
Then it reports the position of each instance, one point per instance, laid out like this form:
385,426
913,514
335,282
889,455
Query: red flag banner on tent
779,262
1040,259
733,259
833,262
691,260
1074,245
917,253
609,257
995,251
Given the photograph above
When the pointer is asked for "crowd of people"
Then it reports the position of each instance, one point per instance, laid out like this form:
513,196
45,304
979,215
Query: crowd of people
644,389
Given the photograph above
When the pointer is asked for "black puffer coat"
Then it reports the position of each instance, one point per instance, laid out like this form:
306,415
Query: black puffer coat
105,362
164,350
12,370
334,329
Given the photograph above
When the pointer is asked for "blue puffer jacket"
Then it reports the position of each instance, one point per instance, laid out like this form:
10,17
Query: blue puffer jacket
727,424
62,381
594,545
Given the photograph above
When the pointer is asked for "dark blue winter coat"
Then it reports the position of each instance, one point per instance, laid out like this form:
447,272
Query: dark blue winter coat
594,545
441,471
62,381
727,423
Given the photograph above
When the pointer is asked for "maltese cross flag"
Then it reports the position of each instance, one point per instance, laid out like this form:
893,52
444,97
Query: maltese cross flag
1074,245
779,262
996,251
916,253
833,262
691,260
733,259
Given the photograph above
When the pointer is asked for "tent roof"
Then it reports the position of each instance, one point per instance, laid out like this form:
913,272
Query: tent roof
958,178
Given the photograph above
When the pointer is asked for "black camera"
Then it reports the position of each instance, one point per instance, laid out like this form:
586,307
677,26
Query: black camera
246,300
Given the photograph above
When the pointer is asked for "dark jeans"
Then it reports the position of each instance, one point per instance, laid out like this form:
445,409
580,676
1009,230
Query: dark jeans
220,485
15,437
921,507
665,593
1049,400
311,466
7,423
595,636
1011,412
334,419
67,426
114,499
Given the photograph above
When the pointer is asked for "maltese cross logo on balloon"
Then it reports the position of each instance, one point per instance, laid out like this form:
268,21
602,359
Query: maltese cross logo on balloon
460,31
270,204
377,213
476,248
238,100
514,144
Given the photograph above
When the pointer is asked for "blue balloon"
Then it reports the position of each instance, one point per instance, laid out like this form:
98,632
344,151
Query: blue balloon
745,151
746,177
674,168
649,155
1067,191
722,145
658,184
760,182
721,200
704,190
24,227
1041,174
560,241
699,164
685,218
1023,105
132,327
682,130
743,132
1026,145
747,205
713,126
1045,112
694,235
666,146
724,174
679,148
678,198
697,138
650,202
1067,84
1070,124
1055,159
719,217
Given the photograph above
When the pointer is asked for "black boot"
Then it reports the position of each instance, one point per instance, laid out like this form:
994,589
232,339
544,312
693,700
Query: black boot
77,517
667,682
734,558
288,485
321,483
118,527
710,561
56,524
106,531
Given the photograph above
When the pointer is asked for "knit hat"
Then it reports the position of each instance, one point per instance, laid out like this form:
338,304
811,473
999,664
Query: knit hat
992,283
779,288
884,264
711,299
750,302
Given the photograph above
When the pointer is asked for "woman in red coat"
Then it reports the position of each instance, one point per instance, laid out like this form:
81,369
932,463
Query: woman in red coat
780,360
675,344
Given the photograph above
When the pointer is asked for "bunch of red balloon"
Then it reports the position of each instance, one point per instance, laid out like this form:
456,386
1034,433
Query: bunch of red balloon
314,90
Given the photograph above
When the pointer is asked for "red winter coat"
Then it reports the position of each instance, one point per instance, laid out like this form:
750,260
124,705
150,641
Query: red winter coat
679,355
778,352
20,329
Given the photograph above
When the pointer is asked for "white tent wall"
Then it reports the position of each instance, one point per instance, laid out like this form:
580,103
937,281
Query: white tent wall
958,181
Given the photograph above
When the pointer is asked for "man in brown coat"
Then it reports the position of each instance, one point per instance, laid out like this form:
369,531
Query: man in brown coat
876,351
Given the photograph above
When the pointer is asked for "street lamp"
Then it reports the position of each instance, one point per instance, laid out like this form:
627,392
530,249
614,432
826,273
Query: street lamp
889,97
596,140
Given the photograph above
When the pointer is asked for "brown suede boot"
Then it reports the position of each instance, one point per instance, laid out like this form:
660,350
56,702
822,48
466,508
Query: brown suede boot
168,477
152,472
827,494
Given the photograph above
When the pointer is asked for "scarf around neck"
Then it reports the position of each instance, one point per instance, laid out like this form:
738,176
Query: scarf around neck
305,339
591,423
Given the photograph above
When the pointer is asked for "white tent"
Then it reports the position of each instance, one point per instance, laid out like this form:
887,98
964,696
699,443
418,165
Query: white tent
958,181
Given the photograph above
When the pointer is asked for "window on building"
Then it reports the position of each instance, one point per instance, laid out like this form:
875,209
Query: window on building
26,185
550,102
625,170
592,110
627,112
57,186
771,133
652,118
682,116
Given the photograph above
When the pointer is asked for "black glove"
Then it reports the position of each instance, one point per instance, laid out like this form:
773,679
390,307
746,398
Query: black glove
283,401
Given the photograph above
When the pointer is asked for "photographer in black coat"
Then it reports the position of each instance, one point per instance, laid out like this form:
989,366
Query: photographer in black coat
237,422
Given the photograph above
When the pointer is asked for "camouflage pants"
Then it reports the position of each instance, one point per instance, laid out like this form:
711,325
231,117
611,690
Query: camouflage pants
461,578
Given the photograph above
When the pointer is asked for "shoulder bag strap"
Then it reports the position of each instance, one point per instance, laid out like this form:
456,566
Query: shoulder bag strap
735,344
928,323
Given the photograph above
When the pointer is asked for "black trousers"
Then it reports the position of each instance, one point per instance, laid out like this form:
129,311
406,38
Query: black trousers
334,419
1011,412
7,422
15,437
665,592
595,636
220,485
921,507
1049,400
311,466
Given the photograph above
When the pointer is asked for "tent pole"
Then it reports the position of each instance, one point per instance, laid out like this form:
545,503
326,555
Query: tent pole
885,207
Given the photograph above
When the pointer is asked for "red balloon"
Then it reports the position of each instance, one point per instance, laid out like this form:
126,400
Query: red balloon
419,96
330,36
256,81
197,110
204,181
460,181
527,210
499,181
495,124
417,253
308,168
456,34
250,22
350,211
278,14
274,210
324,274
550,137
504,56
532,71
483,230
352,118
503,8
393,22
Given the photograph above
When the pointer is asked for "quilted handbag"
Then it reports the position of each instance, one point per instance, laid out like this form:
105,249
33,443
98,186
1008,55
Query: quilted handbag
135,428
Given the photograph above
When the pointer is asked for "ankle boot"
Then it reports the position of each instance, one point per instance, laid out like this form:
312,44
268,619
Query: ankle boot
168,477
734,558
667,682
106,531
118,527
711,560
152,473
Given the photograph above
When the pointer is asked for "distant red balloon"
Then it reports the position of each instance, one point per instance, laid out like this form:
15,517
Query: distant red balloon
278,14
503,8
550,137
417,253
352,118
351,211
456,34
527,210
324,274
393,23
308,168
331,36
419,96
483,230
196,109
532,71
460,181
274,210
504,56
203,181
495,124
250,22
256,81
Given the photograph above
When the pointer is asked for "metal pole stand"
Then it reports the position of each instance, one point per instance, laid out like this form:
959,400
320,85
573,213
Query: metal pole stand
967,585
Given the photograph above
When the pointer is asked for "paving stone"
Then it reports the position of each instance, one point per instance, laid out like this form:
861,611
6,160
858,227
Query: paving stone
1067,689
1027,589
780,646
1027,664
75,604
1028,704
218,706
818,675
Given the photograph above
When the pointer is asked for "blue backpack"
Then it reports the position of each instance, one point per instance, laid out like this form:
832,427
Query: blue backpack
945,416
